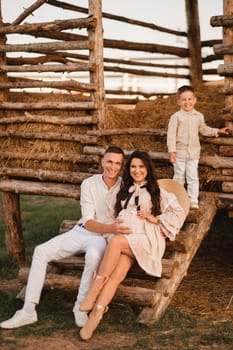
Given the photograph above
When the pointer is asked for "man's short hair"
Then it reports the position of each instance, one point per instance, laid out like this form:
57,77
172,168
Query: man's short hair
114,149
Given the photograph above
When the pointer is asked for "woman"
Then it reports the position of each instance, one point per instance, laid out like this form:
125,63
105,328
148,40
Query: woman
152,214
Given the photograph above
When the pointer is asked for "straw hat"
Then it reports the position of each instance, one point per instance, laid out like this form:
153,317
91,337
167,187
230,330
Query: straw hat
179,191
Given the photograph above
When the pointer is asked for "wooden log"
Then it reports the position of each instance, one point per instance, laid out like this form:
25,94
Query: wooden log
183,242
227,187
213,161
194,41
56,25
40,188
44,175
13,228
138,92
227,172
162,156
127,131
124,101
52,136
139,295
28,11
167,288
77,263
221,178
52,46
48,119
224,201
226,151
145,73
95,35
223,49
216,162
225,70
40,68
40,156
48,105
71,85
3,59
228,141
221,21
118,18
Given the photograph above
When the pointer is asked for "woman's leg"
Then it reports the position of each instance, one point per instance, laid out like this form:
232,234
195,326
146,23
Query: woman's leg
118,275
117,246
106,295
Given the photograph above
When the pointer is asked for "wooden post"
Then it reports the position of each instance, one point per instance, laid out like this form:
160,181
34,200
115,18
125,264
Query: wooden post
3,75
13,235
194,41
228,59
96,59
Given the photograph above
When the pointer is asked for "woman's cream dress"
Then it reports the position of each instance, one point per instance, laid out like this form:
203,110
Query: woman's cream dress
147,240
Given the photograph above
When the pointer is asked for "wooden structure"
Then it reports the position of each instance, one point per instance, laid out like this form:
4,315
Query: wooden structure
50,144
153,295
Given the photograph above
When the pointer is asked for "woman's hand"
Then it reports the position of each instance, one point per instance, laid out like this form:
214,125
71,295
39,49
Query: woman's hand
148,216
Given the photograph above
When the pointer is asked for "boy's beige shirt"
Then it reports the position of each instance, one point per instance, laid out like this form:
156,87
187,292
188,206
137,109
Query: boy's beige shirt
183,133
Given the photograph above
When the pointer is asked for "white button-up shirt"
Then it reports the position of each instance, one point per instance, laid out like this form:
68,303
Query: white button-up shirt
183,133
97,201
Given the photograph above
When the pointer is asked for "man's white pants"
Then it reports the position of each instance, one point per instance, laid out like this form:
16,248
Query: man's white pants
77,240
187,171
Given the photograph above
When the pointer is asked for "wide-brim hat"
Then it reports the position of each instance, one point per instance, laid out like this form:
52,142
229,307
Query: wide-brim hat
179,191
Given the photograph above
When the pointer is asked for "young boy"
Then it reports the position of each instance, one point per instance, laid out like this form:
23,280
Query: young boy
183,141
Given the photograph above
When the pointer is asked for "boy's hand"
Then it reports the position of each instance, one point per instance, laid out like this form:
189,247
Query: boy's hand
172,157
224,131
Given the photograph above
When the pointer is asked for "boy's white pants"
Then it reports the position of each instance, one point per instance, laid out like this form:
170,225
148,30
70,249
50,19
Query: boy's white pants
186,171
77,240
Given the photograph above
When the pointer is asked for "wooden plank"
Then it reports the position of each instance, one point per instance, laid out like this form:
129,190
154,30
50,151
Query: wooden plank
40,188
141,296
77,263
13,228
167,288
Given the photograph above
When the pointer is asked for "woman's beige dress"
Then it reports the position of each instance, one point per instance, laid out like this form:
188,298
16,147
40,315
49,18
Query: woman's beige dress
147,240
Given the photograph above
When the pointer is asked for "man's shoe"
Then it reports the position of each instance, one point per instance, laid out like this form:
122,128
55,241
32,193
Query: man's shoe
80,317
20,318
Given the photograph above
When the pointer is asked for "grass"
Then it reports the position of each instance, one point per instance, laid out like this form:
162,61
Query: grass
41,217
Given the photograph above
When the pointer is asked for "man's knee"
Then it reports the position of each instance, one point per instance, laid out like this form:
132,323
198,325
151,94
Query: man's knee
94,254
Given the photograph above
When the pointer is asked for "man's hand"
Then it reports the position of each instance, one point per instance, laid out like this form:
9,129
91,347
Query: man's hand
120,229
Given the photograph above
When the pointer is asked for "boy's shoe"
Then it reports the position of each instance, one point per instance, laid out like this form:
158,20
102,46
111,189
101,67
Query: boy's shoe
80,317
194,206
19,319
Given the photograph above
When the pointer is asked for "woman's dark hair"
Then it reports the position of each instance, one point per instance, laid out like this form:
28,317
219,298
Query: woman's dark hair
151,185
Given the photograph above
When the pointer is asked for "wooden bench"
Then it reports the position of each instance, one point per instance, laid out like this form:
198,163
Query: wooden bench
153,295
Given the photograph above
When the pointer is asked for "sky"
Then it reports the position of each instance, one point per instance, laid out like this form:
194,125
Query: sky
165,13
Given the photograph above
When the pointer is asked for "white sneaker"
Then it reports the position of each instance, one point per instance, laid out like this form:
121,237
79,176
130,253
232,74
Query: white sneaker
80,317
20,318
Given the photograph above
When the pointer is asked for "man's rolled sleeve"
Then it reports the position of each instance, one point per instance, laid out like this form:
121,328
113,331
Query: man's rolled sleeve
87,202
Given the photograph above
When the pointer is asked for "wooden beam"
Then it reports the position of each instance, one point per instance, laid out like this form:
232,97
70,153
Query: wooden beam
48,105
40,188
13,228
194,41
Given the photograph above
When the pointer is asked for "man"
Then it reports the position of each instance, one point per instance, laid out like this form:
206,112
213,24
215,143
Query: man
97,199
